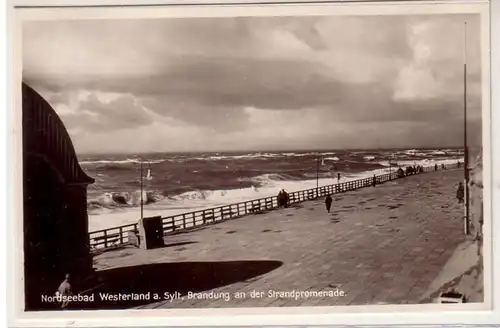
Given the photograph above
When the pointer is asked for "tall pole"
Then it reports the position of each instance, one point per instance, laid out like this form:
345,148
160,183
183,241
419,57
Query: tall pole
317,174
142,206
390,167
466,150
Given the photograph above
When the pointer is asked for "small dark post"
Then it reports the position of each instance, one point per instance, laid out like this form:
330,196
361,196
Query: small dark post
121,235
142,207
105,239
390,167
317,176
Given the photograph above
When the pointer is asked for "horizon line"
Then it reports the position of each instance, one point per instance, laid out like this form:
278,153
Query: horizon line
264,150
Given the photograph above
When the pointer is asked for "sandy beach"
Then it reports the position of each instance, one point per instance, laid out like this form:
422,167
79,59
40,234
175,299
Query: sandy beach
378,245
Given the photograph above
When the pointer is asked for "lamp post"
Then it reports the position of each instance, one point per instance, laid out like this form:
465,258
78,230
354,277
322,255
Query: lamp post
317,175
149,177
390,167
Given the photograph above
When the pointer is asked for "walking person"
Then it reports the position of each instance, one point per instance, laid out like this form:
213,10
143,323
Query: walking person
286,198
64,291
460,192
328,203
280,197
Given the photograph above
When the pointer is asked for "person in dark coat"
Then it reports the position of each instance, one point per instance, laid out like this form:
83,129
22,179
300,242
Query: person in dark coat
460,192
408,170
328,203
280,199
286,198
374,180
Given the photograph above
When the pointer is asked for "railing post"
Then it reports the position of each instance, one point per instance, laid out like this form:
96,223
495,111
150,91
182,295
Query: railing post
105,238
184,221
121,235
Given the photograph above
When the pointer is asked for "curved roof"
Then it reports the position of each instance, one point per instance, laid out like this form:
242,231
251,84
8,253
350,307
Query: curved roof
44,135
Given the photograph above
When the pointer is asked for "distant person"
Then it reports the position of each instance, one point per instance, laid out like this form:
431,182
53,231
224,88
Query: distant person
401,173
338,177
460,192
64,290
280,199
374,180
328,203
435,167
443,167
286,198
458,164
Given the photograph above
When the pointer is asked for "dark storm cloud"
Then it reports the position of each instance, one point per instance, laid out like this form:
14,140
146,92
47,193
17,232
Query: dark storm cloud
97,116
222,88
207,73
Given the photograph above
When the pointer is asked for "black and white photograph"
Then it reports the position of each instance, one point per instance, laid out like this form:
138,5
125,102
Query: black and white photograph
253,161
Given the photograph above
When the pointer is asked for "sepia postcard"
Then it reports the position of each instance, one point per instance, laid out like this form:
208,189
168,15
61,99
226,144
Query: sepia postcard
328,158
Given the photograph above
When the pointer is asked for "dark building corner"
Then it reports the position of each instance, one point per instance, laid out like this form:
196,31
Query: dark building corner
55,223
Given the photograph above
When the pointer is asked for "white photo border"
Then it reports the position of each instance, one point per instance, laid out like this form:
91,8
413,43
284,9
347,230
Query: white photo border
352,315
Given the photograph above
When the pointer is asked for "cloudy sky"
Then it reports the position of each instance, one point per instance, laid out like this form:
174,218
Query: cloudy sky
258,83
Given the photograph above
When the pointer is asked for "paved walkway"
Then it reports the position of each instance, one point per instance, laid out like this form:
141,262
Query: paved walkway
379,245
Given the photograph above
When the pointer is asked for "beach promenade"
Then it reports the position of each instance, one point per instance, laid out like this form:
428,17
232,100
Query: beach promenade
382,244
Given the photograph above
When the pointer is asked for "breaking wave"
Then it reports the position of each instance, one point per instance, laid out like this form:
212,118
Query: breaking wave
123,199
121,162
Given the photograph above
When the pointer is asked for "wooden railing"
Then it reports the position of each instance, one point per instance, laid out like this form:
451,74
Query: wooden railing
106,239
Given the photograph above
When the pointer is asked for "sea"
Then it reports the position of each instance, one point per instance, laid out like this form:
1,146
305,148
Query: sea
175,183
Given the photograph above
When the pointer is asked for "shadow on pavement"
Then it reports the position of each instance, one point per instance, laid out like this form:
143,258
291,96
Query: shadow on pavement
161,278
